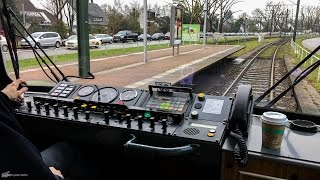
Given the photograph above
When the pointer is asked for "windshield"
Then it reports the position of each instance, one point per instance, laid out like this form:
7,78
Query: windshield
215,66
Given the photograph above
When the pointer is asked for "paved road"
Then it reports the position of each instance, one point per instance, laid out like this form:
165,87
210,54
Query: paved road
311,43
27,53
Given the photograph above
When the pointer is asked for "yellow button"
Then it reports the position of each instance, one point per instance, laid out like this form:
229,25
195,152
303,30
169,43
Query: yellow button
93,107
84,106
201,96
211,134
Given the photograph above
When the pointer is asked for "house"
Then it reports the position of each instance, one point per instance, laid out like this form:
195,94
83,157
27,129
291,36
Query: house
33,14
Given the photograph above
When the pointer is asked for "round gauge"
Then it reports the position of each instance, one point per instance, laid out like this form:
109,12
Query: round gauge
106,95
85,91
128,95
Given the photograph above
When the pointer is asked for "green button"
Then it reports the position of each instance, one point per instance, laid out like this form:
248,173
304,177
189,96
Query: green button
147,114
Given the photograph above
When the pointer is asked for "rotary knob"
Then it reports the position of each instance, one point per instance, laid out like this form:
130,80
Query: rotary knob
194,114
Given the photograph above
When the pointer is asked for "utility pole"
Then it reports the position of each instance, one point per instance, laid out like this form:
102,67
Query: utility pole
286,28
205,24
145,31
296,22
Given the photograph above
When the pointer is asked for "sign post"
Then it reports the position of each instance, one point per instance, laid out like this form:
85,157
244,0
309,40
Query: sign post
176,27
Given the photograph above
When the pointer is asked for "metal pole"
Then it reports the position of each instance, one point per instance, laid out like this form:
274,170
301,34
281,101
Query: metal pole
205,24
145,30
296,22
83,38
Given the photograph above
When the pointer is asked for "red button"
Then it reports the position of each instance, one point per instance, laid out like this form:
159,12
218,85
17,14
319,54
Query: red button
121,102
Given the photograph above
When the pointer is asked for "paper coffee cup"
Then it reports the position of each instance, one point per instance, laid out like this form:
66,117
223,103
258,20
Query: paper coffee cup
273,126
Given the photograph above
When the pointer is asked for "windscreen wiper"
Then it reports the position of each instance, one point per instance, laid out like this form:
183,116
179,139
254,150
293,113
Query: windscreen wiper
299,78
10,36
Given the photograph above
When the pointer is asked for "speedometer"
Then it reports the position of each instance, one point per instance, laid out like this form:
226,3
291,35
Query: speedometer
105,95
128,95
85,91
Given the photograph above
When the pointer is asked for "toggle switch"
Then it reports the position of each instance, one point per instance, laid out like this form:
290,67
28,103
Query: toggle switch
128,118
65,111
75,112
47,108
152,122
87,113
164,125
56,109
38,106
140,122
106,116
29,105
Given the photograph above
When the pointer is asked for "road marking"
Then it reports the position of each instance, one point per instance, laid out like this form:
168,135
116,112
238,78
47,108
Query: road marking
174,70
101,59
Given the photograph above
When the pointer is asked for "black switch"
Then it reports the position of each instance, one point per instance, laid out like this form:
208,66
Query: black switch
75,112
106,116
56,109
38,106
128,119
87,113
29,105
65,111
140,122
164,125
47,107
152,123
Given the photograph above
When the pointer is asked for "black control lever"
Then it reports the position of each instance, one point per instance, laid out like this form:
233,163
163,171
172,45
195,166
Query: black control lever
175,151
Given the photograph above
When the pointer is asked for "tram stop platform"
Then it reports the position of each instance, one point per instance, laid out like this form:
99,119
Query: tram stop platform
130,71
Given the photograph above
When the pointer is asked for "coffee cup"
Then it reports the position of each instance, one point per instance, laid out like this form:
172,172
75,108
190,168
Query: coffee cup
273,126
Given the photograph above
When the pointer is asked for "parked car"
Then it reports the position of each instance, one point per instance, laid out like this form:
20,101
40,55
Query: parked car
140,37
124,36
104,38
43,39
158,36
93,42
167,36
63,43
3,44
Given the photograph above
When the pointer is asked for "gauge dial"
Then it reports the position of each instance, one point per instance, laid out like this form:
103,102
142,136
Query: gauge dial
128,95
85,91
105,95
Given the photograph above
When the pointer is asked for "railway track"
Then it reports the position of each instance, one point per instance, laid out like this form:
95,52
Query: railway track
261,73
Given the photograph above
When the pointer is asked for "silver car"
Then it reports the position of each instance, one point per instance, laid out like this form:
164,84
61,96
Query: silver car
104,38
43,39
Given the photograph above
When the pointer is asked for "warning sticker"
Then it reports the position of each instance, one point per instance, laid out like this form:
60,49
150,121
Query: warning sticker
213,106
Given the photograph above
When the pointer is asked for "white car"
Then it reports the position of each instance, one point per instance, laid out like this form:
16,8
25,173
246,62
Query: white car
3,44
43,39
73,43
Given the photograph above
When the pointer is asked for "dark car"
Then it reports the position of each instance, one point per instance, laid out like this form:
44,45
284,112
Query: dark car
124,36
140,37
158,36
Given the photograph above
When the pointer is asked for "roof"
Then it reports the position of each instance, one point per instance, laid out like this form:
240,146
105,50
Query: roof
96,15
40,15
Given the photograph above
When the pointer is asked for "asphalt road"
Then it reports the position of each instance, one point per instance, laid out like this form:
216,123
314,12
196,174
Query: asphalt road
27,53
311,43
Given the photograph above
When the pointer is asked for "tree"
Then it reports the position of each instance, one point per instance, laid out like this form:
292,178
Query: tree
225,9
70,15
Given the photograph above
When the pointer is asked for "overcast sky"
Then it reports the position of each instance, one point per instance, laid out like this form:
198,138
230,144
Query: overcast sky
244,6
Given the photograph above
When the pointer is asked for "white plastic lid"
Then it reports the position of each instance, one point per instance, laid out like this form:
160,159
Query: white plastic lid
274,118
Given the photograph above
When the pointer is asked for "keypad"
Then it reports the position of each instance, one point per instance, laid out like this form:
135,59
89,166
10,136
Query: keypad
167,103
63,90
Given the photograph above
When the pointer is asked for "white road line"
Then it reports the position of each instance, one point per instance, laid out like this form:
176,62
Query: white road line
174,70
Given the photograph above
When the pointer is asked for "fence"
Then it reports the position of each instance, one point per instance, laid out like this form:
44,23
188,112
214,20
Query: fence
302,53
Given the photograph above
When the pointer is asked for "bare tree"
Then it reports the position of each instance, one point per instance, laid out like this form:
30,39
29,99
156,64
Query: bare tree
225,9
69,13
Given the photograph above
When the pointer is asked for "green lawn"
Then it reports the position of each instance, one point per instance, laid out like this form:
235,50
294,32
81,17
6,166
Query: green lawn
312,78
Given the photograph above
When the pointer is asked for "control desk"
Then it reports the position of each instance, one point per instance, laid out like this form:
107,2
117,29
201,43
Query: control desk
167,121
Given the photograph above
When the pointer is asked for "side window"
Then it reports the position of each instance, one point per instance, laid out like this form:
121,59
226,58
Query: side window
43,36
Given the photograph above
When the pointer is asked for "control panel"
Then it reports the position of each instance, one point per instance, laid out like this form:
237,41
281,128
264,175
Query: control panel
170,111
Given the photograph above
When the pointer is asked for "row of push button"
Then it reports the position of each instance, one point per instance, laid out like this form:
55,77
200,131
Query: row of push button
63,90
